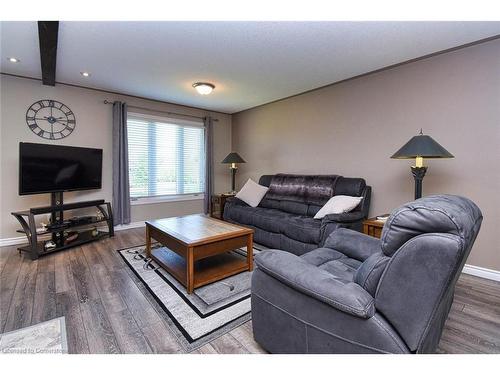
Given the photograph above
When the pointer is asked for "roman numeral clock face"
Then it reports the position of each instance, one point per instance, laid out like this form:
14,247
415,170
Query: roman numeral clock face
50,119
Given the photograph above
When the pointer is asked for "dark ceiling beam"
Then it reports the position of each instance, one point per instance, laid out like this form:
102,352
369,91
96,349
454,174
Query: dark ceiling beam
47,35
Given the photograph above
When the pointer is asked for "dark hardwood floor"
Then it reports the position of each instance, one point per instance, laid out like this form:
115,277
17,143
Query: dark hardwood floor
108,311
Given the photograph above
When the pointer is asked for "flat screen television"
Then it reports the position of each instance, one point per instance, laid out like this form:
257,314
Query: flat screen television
48,169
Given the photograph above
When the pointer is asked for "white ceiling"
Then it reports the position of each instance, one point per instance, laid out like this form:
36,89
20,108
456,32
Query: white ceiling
251,63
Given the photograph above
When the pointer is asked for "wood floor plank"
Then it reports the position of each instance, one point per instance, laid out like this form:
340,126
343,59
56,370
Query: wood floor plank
62,269
244,335
84,282
21,305
109,255
482,331
227,344
205,349
68,305
5,253
475,282
100,336
129,337
44,306
161,339
46,263
110,296
139,301
8,281
479,313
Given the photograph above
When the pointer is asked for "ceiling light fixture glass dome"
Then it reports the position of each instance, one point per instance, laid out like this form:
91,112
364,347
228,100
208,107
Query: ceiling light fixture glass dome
203,88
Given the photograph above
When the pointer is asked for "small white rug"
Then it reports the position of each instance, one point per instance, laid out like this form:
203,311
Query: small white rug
197,318
47,337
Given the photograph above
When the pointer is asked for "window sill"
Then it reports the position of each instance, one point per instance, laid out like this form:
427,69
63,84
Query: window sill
173,198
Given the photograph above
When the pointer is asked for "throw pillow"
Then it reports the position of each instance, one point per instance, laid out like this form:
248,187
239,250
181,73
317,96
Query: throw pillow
338,204
252,193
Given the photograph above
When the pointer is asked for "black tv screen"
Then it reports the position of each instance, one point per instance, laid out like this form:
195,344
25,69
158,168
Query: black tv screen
47,168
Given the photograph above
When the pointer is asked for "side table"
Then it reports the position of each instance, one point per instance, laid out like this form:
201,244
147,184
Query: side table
373,227
217,204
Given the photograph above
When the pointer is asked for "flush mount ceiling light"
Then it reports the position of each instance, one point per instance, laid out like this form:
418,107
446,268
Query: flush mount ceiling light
13,60
203,88
85,74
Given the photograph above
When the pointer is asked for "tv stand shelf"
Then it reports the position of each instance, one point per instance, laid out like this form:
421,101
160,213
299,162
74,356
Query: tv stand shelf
37,247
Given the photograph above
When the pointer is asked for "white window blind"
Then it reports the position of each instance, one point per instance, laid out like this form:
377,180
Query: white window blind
166,156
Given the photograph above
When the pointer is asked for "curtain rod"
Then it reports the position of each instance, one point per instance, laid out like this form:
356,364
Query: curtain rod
168,113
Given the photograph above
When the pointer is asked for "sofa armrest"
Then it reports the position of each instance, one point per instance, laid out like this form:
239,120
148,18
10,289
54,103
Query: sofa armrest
315,282
352,243
236,202
347,217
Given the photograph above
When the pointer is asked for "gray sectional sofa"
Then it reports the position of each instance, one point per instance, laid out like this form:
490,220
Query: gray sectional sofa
284,218
359,294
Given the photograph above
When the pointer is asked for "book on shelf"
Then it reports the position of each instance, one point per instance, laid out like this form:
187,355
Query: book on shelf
382,217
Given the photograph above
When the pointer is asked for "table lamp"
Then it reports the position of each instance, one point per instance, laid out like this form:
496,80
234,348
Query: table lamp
419,147
233,158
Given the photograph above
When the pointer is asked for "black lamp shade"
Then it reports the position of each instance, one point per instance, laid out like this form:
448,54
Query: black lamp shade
233,157
423,146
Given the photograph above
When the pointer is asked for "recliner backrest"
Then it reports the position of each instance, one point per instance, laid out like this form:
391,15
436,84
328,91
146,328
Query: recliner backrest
428,241
306,194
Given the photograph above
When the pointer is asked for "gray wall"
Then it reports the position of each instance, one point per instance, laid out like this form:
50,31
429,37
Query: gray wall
93,129
353,127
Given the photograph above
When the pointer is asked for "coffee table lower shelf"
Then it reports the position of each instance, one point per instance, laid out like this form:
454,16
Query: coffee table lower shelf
206,270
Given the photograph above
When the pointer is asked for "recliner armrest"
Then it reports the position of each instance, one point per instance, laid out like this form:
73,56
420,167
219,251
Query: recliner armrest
347,217
352,243
315,282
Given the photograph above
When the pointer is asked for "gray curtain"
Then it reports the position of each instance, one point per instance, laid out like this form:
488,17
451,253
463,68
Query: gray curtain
209,162
121,188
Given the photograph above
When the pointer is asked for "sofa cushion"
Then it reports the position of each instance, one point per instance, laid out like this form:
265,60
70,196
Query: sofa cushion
321,255
301,188
267,219
296,208
239,214
301,228
334,262
269,203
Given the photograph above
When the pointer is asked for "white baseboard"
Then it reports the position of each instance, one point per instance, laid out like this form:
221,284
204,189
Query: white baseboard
22,239
485,273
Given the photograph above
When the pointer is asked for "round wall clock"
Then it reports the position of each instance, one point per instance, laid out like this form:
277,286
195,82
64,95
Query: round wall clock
50,119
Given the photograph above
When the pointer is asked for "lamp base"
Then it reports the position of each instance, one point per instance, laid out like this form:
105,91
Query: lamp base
418,175
233,179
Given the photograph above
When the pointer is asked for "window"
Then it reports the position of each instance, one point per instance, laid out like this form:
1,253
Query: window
166,157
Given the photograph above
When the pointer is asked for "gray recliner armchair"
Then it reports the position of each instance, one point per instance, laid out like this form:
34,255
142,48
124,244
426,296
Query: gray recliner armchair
359,294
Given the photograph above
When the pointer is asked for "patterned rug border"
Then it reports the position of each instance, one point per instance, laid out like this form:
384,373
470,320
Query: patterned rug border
184,338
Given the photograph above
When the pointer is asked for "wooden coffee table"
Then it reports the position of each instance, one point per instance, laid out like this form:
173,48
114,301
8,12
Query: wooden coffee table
197,248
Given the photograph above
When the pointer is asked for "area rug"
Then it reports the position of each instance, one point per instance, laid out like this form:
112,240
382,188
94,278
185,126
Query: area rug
198,318
47,337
